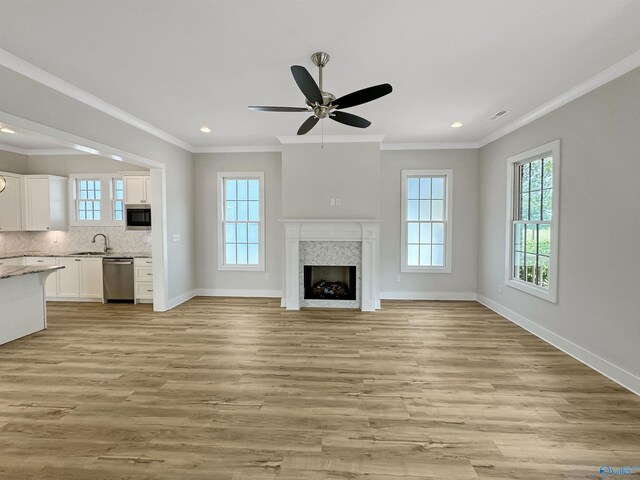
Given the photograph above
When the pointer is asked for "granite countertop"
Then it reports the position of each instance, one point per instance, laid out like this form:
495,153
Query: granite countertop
75,254
8,271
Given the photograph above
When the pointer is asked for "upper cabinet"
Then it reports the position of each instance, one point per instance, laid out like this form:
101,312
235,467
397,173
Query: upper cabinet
11,204
137,189
45,202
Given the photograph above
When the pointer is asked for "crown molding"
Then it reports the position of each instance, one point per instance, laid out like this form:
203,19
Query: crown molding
39,75
238,149
12,149
605,76
302,139
430,146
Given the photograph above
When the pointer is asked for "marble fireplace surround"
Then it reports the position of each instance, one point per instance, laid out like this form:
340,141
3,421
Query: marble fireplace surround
365,231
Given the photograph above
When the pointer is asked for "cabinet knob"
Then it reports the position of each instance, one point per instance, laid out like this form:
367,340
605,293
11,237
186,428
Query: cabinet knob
48,228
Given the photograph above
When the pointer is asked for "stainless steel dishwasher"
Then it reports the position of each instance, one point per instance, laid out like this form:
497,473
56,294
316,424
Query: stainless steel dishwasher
117,279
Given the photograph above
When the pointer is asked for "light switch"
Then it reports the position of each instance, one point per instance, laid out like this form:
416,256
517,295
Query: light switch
177,237
332,202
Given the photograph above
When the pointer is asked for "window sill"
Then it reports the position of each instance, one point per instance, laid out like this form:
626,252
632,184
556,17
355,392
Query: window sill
548,295
241,268
408,269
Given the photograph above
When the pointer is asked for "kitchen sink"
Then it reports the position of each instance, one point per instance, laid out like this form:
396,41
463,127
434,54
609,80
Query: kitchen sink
88,254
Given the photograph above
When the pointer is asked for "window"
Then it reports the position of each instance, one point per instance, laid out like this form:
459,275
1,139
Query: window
532,229
241,232
89,200
118,199
96,200
426,221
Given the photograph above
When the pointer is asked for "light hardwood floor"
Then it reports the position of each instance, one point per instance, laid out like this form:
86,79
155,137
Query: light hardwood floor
236,389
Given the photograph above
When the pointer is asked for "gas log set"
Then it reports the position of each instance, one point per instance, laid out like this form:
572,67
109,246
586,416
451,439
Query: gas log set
330,290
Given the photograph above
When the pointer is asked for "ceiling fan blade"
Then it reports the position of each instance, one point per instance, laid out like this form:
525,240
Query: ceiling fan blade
308,124
259,108
307,84
349,119
362,96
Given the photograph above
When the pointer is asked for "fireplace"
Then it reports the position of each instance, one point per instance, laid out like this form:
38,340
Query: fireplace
330,282
350,244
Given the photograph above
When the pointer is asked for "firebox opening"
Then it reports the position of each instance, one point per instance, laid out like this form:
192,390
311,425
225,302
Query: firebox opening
329,282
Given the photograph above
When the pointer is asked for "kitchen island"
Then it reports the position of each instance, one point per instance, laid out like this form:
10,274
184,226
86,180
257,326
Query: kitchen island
23,308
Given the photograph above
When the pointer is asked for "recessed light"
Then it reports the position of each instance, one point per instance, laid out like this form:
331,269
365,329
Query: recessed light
6,130
205,129
456,124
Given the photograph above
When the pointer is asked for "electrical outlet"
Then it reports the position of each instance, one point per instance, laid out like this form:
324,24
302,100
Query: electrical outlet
499,288
147,239
397,278
338,202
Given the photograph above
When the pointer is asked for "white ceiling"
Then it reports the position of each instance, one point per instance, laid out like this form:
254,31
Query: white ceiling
179,65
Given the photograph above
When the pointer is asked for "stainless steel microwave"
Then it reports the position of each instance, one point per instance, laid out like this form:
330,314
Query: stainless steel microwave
138,217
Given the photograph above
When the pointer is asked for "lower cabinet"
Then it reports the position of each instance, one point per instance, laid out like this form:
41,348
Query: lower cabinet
143,275
91,278
69,277
80,278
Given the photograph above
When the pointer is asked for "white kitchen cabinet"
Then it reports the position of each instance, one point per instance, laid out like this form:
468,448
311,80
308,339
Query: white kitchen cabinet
91,278
137,189
45,202
143,280
81,278
51,287
69,277
12,261
11,203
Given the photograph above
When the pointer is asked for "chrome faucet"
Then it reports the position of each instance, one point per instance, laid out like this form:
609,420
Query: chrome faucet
106,241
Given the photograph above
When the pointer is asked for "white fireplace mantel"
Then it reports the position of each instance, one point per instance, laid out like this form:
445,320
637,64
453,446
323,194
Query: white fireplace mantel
366,231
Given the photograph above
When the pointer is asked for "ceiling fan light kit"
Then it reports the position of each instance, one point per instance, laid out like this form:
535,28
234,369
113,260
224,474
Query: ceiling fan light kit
325,104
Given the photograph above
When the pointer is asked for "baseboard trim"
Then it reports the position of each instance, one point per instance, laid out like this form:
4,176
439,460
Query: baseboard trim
73,299
427,295
591,360
180,299
219,292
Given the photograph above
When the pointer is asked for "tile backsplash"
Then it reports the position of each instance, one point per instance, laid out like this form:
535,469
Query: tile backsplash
75,239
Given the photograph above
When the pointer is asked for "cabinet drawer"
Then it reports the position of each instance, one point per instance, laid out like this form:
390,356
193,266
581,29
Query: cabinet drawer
40,261
144,274
143,262
144,290
11,261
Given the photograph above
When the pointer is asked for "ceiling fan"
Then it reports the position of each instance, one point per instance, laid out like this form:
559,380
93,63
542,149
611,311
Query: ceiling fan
324,104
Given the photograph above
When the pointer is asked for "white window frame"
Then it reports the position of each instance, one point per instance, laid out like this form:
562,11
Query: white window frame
448,219
106,200
113,181
260,267
548,149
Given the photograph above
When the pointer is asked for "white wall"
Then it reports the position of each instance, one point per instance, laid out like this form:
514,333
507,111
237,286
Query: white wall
13,162
312,175
32,101
208,277
461,282
598,309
